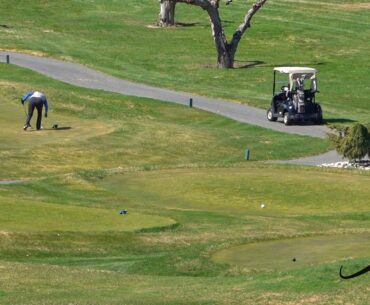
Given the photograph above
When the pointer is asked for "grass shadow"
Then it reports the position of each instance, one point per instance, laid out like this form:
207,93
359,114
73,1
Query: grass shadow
339,120
53,128
290,64
247,64
254,63
61,128
200,24
187,24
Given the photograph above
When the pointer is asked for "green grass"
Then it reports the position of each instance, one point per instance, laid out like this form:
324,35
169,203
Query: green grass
38,217
95,287
214,209
110,35
62,238
178,171
295,253
284,191
112,131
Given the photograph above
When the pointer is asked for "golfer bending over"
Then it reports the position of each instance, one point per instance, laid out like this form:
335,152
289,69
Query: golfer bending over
38,100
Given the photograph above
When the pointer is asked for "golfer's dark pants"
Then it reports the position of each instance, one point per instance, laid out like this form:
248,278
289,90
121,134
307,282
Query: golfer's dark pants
35,102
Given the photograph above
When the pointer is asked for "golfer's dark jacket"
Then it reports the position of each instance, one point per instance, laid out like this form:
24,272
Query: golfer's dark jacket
36,94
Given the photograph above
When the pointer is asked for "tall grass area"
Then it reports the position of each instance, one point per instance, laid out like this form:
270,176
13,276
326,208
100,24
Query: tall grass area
113,36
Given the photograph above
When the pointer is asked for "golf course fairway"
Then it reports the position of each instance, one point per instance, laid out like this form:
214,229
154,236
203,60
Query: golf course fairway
40,217
204,225
291,253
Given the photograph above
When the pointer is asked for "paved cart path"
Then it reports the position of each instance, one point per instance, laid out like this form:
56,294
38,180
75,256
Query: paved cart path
83,76
328,157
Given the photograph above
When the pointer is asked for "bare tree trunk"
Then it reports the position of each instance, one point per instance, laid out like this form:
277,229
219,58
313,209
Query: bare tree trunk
167,13
225,59
225,51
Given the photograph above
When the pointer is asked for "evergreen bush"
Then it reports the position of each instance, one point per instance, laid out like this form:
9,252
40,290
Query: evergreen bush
352,142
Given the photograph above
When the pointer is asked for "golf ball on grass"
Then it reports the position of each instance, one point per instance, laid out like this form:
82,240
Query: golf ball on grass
262,206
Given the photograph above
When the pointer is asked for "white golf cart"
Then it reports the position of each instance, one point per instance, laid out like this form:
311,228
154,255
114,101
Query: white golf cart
294,99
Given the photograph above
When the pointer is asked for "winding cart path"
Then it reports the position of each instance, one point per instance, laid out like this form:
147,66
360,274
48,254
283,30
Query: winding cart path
83,76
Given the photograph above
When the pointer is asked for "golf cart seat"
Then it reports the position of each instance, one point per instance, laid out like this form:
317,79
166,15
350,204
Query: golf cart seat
309,95
278,99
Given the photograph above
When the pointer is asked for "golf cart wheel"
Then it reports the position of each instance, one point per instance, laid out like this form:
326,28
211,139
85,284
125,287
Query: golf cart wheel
270,116
287,121
318,121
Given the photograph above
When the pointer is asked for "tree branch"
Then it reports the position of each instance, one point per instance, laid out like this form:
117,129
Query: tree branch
246,23
226,51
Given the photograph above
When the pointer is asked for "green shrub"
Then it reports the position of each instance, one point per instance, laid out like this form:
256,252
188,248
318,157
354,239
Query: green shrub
352,142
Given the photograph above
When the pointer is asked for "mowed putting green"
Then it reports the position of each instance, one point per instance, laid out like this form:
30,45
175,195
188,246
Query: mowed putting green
296,252
42,217
70,129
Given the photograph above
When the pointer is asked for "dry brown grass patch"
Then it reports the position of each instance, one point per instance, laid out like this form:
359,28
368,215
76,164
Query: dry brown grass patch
354,6
31,52
338,6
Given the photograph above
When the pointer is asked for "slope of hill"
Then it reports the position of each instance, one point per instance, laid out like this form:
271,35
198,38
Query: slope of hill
332,36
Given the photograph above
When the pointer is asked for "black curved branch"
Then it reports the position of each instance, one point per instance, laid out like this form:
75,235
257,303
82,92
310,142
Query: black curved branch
351,276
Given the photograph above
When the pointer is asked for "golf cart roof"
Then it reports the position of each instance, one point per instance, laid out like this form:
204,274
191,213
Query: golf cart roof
295,70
